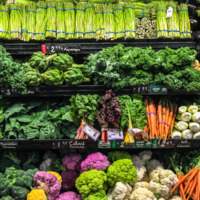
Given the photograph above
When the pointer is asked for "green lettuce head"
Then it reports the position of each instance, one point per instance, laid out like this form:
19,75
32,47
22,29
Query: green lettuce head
53,77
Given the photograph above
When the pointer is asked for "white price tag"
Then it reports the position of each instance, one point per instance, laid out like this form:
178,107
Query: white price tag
115,134
169,12
91,132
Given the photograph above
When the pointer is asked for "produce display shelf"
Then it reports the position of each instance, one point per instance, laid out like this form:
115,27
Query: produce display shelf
89,46
90,144
65,90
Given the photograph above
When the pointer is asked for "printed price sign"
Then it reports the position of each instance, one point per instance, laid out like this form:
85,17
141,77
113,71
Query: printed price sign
115,134
52,48
158,89
91,132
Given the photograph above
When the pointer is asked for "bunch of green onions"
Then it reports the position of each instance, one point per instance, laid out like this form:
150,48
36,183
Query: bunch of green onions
51,19
173,22
69,12
119,20
141,13
90,32
80,20
24,23
109,22
60,21
31,20
99,22
184,21
15,21
129,21
4,22
41,20
162,21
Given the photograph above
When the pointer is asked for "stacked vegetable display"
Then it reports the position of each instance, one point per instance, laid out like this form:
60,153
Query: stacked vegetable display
88,20
187,122
94,176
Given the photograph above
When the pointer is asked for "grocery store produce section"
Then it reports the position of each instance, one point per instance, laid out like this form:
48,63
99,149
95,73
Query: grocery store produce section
99,100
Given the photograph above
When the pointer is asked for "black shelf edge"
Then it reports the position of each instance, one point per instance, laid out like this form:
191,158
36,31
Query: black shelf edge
67,91
91,46
90,144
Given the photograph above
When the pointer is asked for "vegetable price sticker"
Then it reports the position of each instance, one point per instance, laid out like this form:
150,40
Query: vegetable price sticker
158,89
62,48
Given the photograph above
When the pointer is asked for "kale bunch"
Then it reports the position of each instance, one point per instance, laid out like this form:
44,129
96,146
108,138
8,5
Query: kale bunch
12,74
110,111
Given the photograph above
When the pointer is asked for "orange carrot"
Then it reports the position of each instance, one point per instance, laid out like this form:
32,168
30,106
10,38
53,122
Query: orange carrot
163,117
193,185
159,111
166,118
182,194
152,118
169,121
148,116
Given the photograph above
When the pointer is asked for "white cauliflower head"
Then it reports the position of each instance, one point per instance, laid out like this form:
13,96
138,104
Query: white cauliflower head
141,184
158,188
153,165
176,198
141,171
118,192
145,156
142,194
128,193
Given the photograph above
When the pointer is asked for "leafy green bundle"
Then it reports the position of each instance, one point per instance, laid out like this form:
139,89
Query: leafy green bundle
99,22
15,21
69,20
173,22
184,21
51,19
4,22
161,21
84,106
109,22
60,21
41,20
129,21
80,20
90,32
119,20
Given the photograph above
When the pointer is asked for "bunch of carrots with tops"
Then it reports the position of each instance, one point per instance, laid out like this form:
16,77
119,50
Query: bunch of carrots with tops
160,117
188,184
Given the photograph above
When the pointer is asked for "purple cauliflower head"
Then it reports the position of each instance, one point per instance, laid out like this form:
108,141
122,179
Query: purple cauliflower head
95,161
72,161
49,183
69,179
69,196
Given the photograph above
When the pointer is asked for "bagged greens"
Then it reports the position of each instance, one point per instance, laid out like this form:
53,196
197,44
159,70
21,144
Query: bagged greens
119,20
99,22
109,22
69,20
80,20
51,19
129,21
90,32
60,21
4,22
41,21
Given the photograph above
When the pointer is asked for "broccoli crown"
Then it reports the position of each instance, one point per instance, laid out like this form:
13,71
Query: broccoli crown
101,195
123,171
19,192
118,155
7,198
91,182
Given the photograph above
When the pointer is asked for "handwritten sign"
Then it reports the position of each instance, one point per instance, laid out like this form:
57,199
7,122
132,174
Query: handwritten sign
183,144
77,144
8,145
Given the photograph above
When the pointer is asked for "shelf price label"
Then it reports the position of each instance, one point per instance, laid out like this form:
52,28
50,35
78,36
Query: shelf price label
158,89
167,144
52,48
124,145
8,145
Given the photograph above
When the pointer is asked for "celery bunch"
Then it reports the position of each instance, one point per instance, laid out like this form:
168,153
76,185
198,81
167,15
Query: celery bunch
41,21
90,32
60,21
99,22
51,19
4,22
69,20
